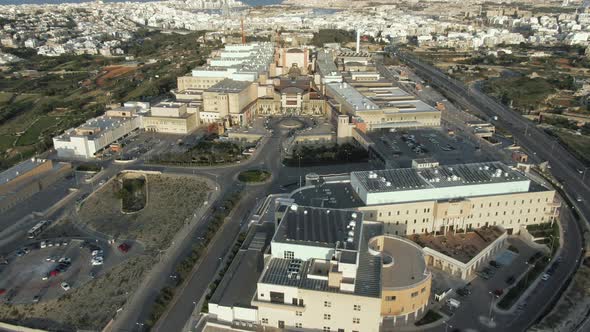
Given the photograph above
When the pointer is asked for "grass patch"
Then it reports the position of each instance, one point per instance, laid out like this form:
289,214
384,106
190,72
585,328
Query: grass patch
430,317
172,200
88,168
35,131
578,144
133,194
335,154
254,176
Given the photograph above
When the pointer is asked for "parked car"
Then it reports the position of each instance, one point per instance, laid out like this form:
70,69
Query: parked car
2,291
463,291
498,292
495,264
65,286
510,280
36,298
43,245
545,277
124,247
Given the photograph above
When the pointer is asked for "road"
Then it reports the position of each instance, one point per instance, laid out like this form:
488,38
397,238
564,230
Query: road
541,147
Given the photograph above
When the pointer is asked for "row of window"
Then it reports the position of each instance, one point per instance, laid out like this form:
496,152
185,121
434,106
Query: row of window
427,210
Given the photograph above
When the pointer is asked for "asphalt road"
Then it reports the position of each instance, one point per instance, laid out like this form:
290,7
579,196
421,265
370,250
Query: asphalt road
541,147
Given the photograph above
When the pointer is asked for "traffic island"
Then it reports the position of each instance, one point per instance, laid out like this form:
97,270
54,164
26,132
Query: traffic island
254,176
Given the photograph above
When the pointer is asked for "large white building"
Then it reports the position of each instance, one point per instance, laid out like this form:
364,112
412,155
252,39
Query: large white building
96,134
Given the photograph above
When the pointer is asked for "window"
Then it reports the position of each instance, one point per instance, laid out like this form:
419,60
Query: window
277,297
326,329
357,307
264,320
327,304
327,316
390,298
298,325
289,254
414,294
298,313
356,320
423,290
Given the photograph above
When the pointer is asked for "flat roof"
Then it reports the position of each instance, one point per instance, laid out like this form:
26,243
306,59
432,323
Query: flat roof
319,227
357,100
402,179
409,266
102,123
408,106
229,85
328,195
20,169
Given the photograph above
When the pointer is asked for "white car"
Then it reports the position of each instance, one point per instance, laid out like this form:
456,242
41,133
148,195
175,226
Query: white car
545,277
97,261
65,286
43,245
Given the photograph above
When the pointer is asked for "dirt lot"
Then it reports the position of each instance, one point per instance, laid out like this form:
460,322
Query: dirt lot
91,303
171,200
113,72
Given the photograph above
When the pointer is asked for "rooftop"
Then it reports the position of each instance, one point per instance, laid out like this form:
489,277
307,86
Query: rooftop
320,227
328,195
238,286
357,100
402,262
460,246
229,86
403,179
20,169
96,127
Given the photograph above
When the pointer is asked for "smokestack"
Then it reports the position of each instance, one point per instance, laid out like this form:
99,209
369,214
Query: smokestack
358,41
243,33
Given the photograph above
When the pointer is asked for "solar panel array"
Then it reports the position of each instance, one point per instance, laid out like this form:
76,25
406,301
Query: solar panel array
440,176
320,227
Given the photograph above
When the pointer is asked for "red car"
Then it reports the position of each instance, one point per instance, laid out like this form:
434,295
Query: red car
2,291
498,292
54,273
124,247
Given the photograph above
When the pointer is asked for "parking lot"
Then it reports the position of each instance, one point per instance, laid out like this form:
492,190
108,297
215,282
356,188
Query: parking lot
37,272
492,282
398,148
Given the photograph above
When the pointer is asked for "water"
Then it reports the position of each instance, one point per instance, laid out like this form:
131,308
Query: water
53,2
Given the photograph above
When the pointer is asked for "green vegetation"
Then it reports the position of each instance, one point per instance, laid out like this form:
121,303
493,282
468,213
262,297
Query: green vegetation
165,295
430,317
205,152
172,201
132,194
306,156
524,93
579,145
213,286
43,96
89,168
253,176
539,262
325,36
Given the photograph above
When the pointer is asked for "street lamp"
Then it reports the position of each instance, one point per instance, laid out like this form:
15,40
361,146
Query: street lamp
447,325
490,318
